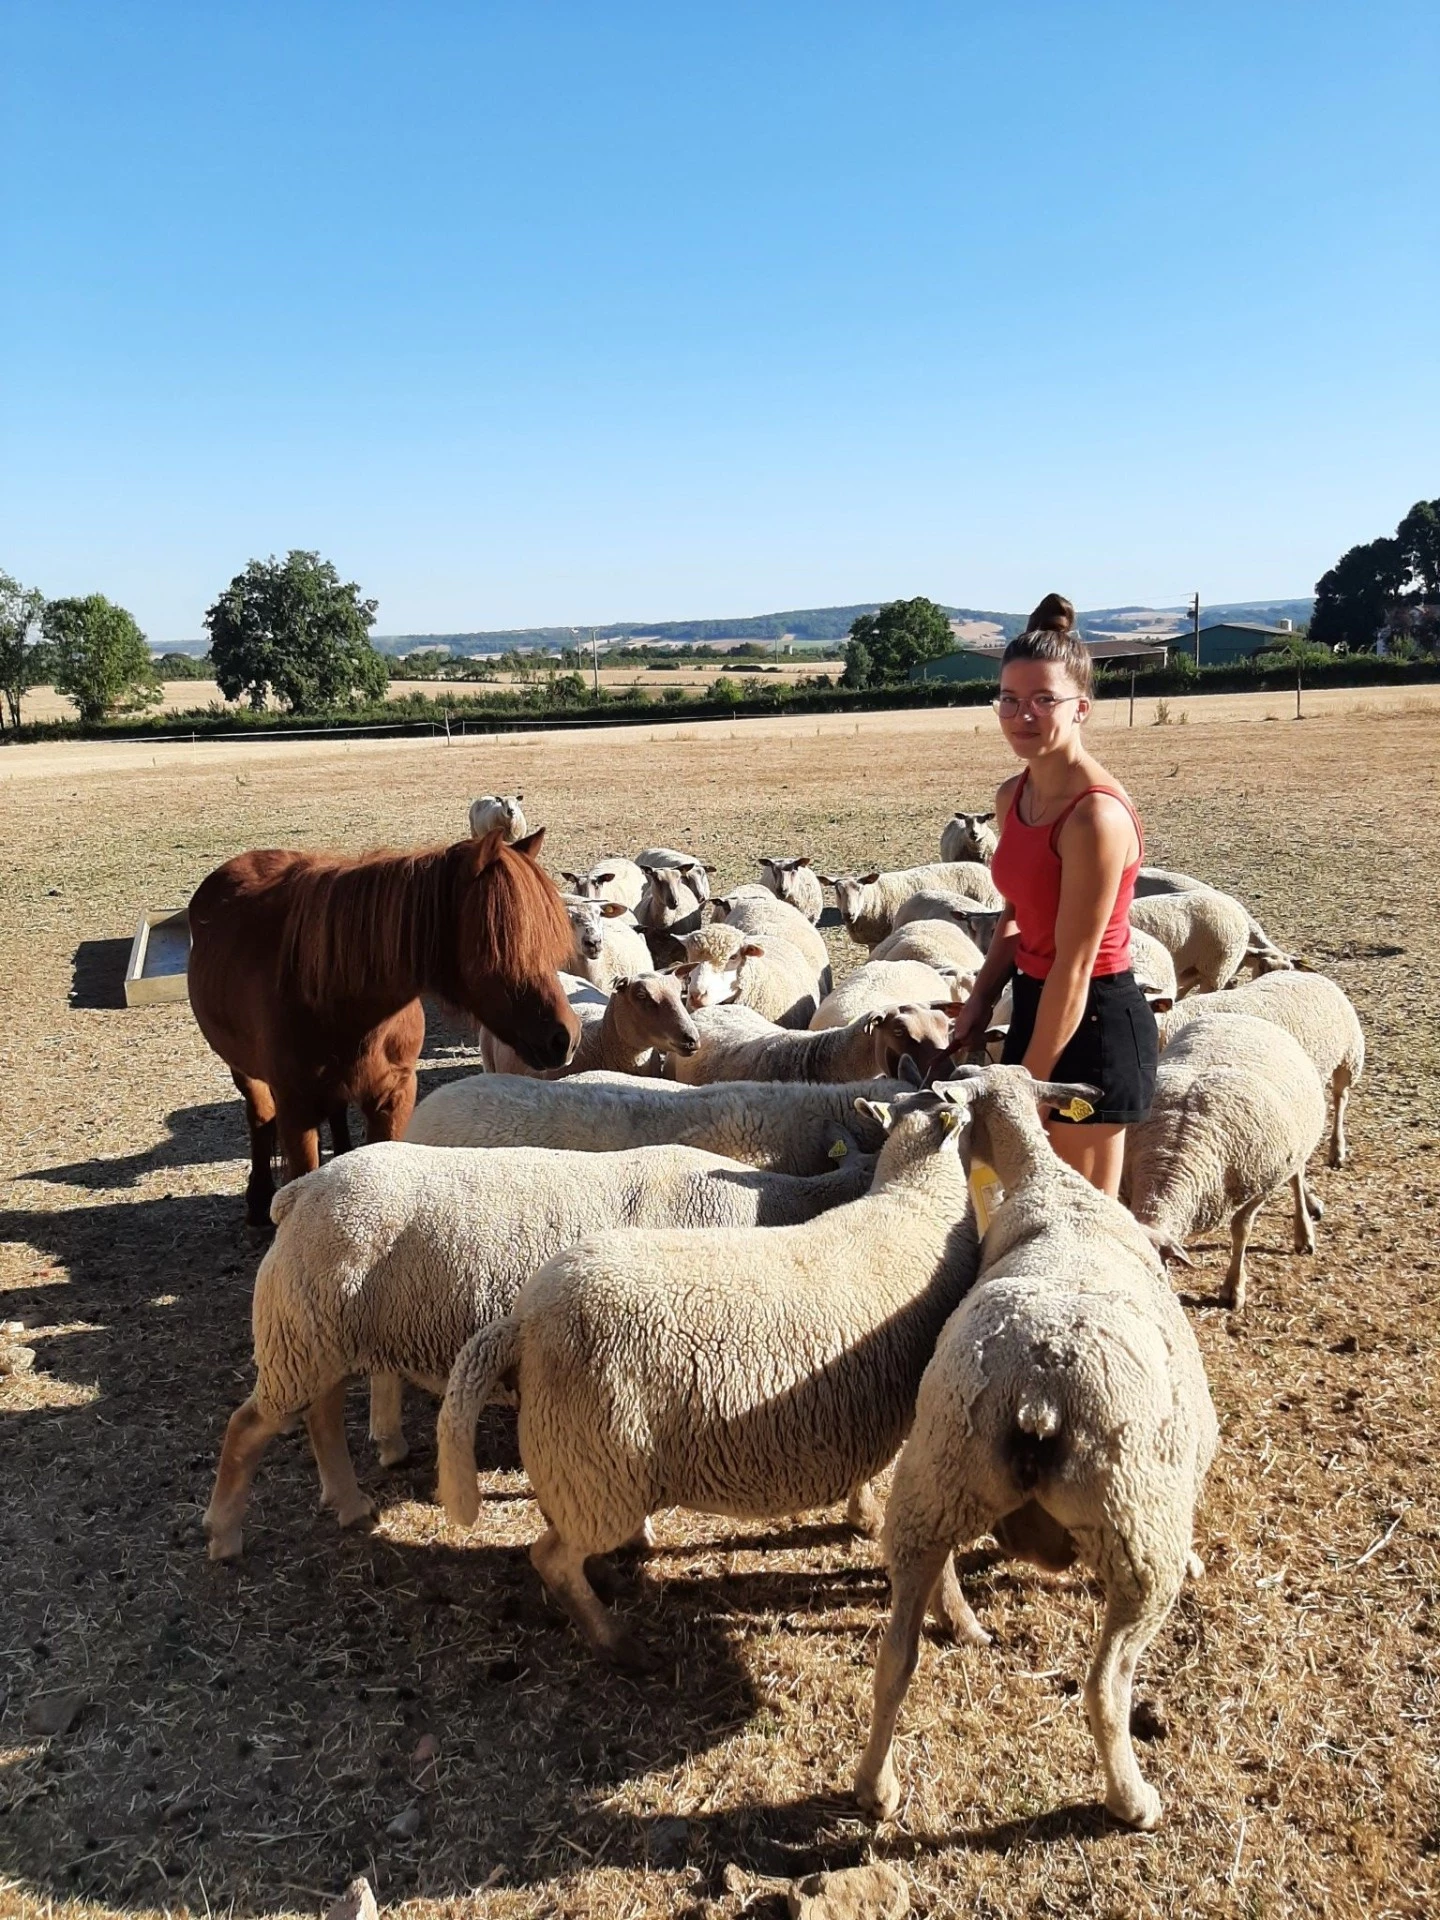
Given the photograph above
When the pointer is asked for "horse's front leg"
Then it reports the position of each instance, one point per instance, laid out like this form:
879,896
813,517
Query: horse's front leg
260,1120
388,1114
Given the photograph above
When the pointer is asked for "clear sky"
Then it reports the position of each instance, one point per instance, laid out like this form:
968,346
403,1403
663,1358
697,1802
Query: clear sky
551,312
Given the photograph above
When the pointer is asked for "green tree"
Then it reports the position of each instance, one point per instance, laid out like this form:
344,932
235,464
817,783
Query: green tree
99,657
1354,600
894,640
22,660
294,629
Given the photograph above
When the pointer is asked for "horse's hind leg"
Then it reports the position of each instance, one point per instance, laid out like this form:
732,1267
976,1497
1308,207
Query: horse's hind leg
260,1118
300,1147
339,1122
386,1118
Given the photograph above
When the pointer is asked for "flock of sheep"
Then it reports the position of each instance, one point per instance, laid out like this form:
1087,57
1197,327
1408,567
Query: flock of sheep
729,1258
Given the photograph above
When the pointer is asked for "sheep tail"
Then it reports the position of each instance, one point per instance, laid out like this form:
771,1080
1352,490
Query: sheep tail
283,1200
480,1366
1035,1441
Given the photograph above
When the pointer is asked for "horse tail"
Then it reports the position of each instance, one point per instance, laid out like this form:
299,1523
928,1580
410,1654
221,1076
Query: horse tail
479,1367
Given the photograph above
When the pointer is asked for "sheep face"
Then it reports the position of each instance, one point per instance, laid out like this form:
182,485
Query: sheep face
585,919
659,1010
717,981
922,1033
850,891
665,900
497,810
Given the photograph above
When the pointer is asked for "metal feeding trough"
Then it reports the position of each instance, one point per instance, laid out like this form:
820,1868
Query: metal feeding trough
159,956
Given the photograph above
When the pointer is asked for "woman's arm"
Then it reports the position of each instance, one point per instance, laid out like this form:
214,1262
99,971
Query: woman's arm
1094,845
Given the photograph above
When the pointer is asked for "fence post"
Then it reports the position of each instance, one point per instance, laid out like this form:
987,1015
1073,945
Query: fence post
1132,696
1298,714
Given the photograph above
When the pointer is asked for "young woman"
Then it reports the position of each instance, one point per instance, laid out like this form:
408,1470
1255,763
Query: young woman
1070,847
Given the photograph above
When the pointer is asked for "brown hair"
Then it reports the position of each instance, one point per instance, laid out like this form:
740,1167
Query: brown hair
1062,647
1055,614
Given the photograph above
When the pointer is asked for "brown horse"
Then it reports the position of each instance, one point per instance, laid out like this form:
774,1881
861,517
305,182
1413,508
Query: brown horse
305,971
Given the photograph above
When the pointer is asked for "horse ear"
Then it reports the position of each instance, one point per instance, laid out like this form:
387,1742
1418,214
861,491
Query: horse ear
531,844
488,846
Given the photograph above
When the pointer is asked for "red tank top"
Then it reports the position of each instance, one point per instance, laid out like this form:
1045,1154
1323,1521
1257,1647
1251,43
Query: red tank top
1027,871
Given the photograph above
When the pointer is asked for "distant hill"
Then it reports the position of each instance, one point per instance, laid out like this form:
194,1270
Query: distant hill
808,625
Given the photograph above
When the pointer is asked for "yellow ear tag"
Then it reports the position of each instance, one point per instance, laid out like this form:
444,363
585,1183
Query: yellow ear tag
950,1122
986,1193
1075,1109
838,1151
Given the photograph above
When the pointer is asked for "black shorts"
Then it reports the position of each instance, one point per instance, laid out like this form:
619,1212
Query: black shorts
1115,1047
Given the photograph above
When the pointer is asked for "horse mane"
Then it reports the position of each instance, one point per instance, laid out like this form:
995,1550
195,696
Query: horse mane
364,924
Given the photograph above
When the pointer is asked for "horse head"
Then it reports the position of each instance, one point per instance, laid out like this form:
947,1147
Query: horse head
513,936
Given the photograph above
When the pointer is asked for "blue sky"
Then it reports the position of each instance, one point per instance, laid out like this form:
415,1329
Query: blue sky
552,312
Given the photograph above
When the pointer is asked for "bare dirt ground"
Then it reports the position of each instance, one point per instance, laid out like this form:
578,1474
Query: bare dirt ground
243,1737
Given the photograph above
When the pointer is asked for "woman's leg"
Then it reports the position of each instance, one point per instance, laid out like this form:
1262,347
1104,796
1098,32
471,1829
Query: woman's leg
1097,1152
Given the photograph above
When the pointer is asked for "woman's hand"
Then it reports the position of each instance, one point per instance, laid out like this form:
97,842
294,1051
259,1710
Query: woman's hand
969,1022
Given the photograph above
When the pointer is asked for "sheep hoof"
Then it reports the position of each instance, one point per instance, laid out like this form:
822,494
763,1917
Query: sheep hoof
880,1798
1194,1566
864,1514
1143,1812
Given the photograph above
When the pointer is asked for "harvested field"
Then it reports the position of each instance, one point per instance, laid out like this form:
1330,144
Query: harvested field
245,1738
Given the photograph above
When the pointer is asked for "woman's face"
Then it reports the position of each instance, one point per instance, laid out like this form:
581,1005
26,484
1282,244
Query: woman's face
1050,707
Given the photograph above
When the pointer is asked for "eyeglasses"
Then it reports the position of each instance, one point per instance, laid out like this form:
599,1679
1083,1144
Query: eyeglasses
1042,705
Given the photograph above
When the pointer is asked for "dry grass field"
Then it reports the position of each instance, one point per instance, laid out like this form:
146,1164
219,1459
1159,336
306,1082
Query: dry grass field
244,1738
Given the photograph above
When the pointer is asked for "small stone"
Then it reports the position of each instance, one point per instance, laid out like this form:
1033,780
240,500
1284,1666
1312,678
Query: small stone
50,1713
405,1825
876,1892
669,1839
357,1902
15,1359
1148,1721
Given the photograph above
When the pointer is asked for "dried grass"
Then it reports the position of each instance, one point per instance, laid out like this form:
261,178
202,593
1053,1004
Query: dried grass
248,1731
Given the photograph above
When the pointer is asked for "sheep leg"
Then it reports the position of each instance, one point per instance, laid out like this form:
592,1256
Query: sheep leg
876,1787
1340,1094
562,1568
387,1428
1304,1229
246,1438
1236,1278
260,1120
1312,1199
325,1423
1134,1613
950,1610
864,1512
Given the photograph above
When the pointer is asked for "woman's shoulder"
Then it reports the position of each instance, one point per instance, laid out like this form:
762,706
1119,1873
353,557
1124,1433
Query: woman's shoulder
1105,810
1005,796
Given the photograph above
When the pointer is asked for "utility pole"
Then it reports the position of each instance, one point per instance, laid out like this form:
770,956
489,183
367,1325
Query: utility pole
1195,623
595,662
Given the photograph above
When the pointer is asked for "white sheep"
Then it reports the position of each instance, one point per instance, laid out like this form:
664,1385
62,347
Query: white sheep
736,1043
1261,951
1315,1012
969,836
888,983
792,880
1150,961
608,944
1205,932
869,902
753,1373
667,909
938,943
723,963
692,871
643,1019
1238,1111
789,1129
613,878
1066,1412
500,810
387,1260
757,910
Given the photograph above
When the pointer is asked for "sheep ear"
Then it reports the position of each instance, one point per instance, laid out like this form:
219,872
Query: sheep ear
532,843
1072,1098
868,879
803,860
750,951
1159,1002
612,909
952,1121
981,818
685,969
872,1021
828,879
878,1111
1166,1245
573,878
907,1071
